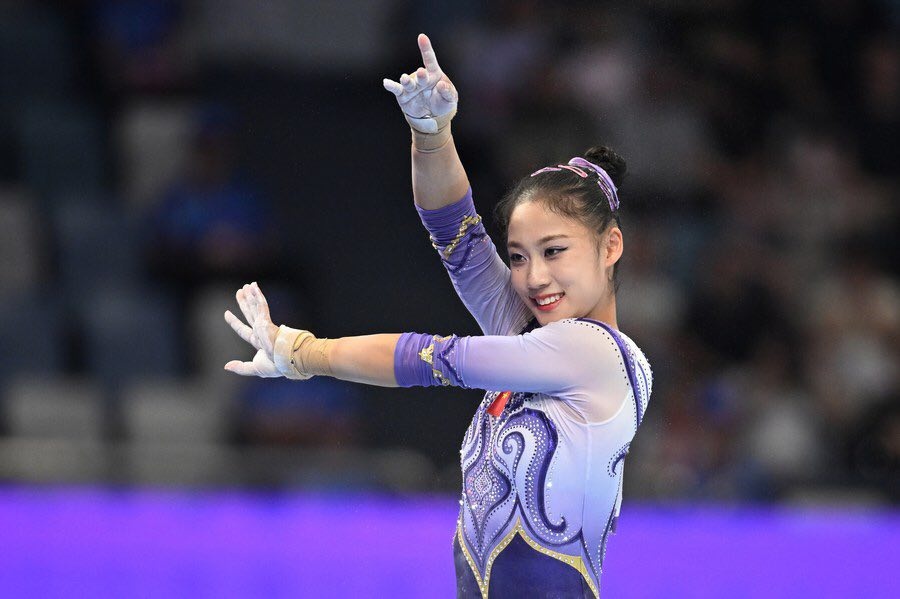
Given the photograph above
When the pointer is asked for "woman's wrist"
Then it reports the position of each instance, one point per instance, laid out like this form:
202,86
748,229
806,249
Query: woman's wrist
431,134
300,355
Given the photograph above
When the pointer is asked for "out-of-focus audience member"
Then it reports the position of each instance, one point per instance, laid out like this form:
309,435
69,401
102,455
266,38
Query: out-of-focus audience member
322,413
873,450
878,119
137,44
854,337
213,222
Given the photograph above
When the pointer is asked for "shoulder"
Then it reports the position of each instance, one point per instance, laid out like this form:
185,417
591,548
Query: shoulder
581,340
581,328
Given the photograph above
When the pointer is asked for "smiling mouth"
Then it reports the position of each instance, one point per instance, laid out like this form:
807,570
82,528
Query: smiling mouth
547,303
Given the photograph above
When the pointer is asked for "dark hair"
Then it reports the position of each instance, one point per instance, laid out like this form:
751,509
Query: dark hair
567,194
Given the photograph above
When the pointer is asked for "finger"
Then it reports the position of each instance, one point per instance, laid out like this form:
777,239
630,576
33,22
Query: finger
243,331
241,368
421,77
261,366
261,303
429,59
252,299
256,306
244,304
261,332
263,321
392,86
265,367
408,83
446,91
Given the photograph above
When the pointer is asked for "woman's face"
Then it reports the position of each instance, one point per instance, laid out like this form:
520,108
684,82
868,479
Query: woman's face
554,258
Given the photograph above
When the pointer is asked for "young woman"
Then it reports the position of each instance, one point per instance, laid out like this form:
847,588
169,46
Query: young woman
543,458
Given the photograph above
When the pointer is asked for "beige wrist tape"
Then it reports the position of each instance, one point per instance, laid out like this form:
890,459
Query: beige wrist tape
299,355
424,141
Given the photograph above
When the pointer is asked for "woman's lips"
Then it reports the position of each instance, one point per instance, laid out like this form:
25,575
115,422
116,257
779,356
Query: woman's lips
548,307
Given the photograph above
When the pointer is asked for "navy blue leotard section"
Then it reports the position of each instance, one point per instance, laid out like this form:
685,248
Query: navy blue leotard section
520,571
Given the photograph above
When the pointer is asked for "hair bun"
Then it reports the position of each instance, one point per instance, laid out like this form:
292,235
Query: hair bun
612,163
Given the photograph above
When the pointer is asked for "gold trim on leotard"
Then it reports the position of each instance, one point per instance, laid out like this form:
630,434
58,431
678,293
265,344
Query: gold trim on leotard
467,221
483,585
427,356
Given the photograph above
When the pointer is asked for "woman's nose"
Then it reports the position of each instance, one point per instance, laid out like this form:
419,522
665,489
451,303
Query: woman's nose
538,276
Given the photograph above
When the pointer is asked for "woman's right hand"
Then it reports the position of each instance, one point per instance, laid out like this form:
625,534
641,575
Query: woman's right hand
427,97
259,332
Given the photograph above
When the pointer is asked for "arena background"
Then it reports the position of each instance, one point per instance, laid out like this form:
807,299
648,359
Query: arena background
155,155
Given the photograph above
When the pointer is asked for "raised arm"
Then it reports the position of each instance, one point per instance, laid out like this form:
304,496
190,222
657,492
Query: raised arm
428,100
444,200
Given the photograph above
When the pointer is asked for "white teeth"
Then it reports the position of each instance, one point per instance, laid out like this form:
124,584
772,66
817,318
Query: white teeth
549,300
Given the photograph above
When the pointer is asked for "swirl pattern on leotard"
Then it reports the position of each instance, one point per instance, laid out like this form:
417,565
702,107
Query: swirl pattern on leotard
486,488
505,462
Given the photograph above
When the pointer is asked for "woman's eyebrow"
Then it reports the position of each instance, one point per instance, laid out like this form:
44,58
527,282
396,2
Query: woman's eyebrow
540,241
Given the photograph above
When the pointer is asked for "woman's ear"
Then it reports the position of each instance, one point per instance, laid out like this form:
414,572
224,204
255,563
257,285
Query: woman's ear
613,247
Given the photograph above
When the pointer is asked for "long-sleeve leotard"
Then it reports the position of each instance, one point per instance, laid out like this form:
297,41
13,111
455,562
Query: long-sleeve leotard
547,466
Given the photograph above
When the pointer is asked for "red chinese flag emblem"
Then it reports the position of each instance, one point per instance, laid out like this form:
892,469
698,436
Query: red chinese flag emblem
498,404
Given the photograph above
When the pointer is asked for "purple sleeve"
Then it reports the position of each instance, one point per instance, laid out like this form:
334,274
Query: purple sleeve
562,358
409,369
479,275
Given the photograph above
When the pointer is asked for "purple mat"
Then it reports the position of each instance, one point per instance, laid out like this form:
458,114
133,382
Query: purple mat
65,542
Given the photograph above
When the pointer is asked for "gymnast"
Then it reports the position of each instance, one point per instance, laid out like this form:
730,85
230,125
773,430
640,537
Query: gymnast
543,458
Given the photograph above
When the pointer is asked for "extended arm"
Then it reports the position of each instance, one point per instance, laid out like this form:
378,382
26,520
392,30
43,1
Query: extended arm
563,358
298,354
366,359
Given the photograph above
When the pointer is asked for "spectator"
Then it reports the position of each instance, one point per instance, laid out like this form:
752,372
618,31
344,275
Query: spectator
213,222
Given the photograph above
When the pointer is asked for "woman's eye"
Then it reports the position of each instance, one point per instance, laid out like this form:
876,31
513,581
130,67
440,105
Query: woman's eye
515,258
554,251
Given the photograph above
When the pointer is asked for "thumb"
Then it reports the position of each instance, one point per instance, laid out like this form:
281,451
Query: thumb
446,91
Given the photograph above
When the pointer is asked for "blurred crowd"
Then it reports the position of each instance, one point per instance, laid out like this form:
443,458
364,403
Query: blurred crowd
760,215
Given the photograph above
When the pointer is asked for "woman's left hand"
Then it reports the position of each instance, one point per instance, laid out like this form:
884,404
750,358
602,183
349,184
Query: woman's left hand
260,332
427,93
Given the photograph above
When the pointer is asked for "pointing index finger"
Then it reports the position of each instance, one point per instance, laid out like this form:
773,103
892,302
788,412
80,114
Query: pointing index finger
429,59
